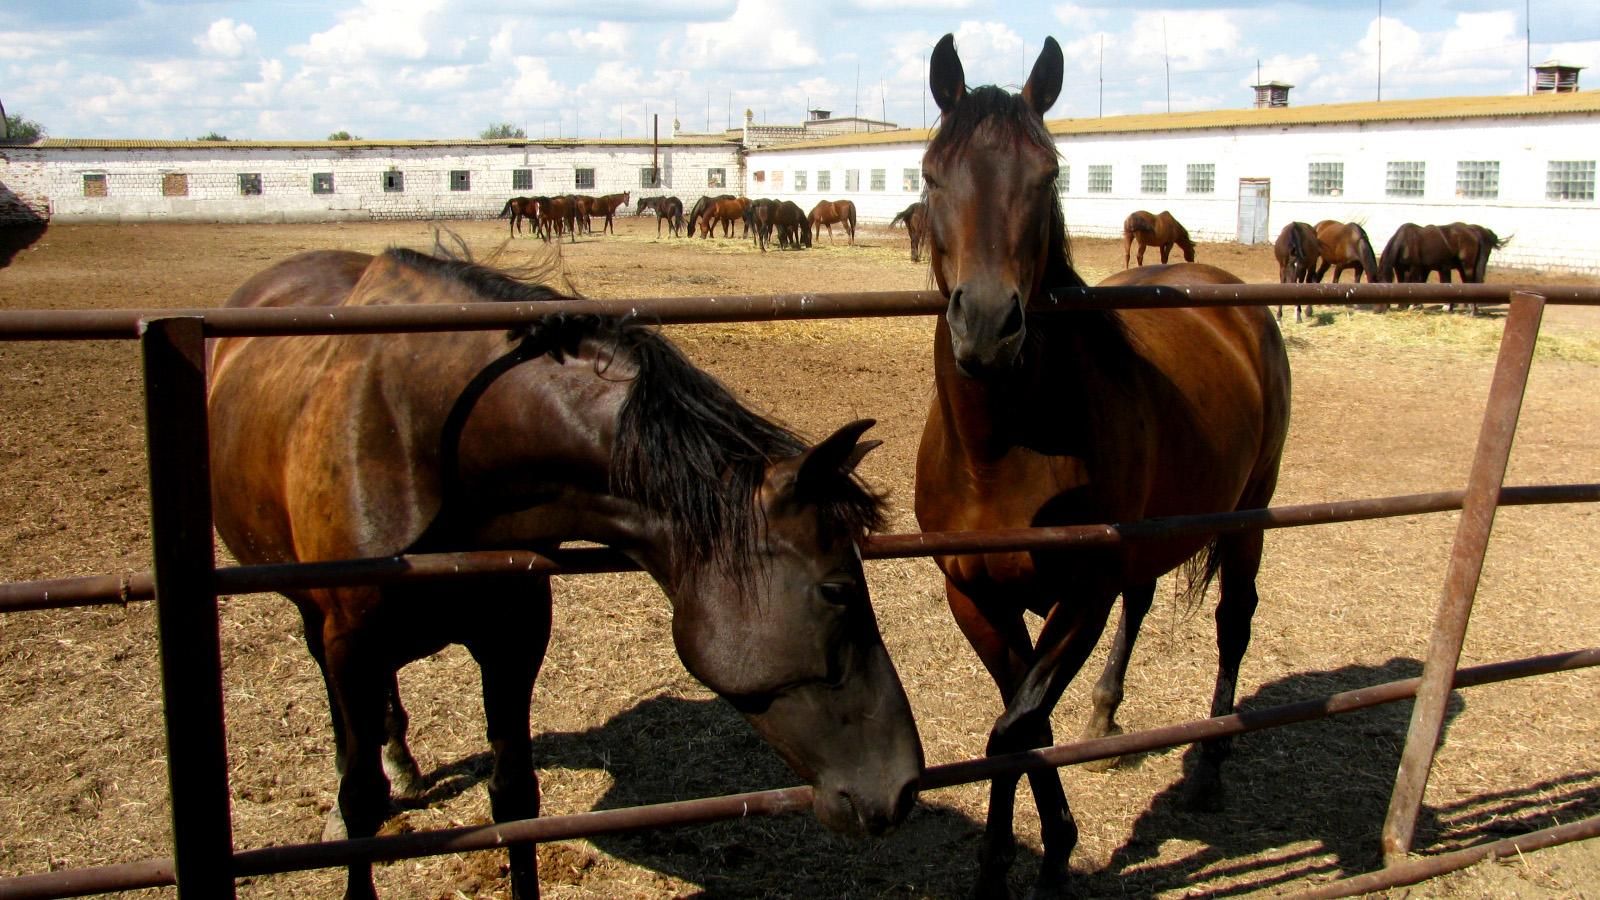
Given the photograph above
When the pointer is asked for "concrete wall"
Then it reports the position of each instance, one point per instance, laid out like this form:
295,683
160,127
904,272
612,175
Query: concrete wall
51,179
1556,235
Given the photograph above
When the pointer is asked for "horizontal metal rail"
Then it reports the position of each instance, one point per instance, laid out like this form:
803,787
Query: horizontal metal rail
123,324
101,590
299,857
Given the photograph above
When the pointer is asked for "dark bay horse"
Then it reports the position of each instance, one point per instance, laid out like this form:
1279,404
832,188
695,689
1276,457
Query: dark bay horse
577,427
1416,251
1155,230
834,212
1075,416
916,218
1472,245
667,209
558,216
607,207
794,229
725,212
699,208
1297,250
1344,245
519,208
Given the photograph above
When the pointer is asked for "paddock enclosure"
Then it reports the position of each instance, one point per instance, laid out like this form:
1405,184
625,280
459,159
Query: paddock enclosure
1382,405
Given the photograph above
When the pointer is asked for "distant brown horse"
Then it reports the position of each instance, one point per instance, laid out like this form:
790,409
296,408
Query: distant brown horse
1155,230
794,229
1072,417
1344,245
667,209
1416,251
726,212
519,208
557,216
916,218
1472,245
572,428
607,206
830,212
698,210
1297,250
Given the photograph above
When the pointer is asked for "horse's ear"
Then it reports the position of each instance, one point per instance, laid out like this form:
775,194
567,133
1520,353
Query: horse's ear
945,76
836,456
1044,82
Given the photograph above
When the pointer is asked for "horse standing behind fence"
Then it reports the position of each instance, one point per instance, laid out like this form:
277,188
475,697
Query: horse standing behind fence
794,229
916,218
668,209
572,428
1297,250
1155,230
607,207
828,213
1345,245
519,208
1074,416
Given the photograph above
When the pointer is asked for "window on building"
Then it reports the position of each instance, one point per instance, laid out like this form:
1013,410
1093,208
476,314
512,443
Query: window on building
174,184
1202,178
1152,179
649,177
322,183
1569,179
1099,179
1478,179
94,185
879,178
250,184
1405,179
1325,179
911,181
583,179
716,178
1064,180
460,180
777,181
824,180
522,179
394,181
799,180
852,180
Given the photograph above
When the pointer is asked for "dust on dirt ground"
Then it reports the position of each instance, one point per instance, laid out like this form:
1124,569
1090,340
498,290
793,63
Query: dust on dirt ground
1380,407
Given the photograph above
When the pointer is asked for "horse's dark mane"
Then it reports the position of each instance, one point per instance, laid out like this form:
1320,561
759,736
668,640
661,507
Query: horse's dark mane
685,447
992,107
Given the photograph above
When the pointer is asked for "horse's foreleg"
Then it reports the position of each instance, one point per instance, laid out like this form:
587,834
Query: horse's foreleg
509,657
362,688
1166,253
1108,691
405,779
1240,562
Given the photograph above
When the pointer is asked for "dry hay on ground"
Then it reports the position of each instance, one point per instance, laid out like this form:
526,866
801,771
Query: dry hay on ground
1382,405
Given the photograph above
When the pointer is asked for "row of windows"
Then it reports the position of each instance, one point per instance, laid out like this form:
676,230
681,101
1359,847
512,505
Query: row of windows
877,180
1199,178
176,184
1564,179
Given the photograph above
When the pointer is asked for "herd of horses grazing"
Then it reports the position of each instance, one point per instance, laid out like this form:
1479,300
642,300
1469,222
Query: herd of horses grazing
570,214
762,219
592,428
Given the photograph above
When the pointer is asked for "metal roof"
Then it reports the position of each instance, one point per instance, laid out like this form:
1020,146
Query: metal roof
1431,109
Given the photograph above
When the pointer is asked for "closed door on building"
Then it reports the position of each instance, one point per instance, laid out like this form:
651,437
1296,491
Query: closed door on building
1255,195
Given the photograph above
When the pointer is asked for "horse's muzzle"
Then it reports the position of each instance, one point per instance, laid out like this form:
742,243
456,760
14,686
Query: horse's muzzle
986,329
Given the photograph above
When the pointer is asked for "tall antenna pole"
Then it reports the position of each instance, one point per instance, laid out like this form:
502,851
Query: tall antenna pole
924,93
1527,44
1380,50
1102,74
857,112
883,99
1166,60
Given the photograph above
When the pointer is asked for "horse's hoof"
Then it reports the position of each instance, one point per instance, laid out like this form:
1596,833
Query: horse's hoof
333,828
1109,763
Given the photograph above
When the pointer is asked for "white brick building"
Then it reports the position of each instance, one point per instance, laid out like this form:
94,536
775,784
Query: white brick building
1523,166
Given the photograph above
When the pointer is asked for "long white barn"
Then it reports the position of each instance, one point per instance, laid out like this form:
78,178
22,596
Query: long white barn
1523,166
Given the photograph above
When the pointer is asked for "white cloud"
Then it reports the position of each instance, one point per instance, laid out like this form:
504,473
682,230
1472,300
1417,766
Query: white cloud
913,6
608,38
1190,40
226,38
758,36
378,29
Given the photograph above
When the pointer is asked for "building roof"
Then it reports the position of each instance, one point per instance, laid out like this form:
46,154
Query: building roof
1431,109
140,144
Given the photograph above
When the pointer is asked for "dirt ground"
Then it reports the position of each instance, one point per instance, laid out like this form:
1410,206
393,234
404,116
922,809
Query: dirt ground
1382,405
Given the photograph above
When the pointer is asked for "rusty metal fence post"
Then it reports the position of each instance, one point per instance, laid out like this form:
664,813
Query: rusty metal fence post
177,437
1466,565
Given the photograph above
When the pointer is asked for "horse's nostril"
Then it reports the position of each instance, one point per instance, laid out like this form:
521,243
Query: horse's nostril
1013,322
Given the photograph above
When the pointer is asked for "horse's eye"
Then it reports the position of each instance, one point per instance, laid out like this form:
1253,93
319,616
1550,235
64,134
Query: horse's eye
838,592
928,181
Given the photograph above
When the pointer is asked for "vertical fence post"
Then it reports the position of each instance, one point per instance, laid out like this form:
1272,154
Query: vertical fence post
1466,564
177,438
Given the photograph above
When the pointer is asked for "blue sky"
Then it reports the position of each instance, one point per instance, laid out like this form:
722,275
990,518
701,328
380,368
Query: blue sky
294,69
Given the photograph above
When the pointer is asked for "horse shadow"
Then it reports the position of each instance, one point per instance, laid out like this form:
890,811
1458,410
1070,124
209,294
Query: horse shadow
1309,801
665,749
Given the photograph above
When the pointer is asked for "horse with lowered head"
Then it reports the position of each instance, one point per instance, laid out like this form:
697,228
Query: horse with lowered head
1044,414
1155,230
573,427
1297,251
1344,245
916,218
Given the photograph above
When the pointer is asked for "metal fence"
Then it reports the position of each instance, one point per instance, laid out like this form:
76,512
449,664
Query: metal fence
185,581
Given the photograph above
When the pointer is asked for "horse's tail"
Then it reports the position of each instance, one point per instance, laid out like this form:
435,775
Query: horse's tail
1391,256
903,215
505,210
1198,572
1368,263
852,218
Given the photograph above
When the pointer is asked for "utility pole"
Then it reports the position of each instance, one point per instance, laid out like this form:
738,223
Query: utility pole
1166,60
1380,50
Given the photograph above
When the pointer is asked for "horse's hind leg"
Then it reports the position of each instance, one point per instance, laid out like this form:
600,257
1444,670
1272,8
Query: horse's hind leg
1240,560
405,779
1108,691
358,679
509,654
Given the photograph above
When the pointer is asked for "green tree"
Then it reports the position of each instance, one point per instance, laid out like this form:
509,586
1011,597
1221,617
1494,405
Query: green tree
22,131
212,136
342,135
502,130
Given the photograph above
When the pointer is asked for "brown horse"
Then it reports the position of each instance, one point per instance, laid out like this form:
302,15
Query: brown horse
577,427
916,218
558,216
831,212
1414,252
699,209
794,229
1472,245
1074,416
726,212
519,208
667,209
1297,250
1155,230
1344,245
607,206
